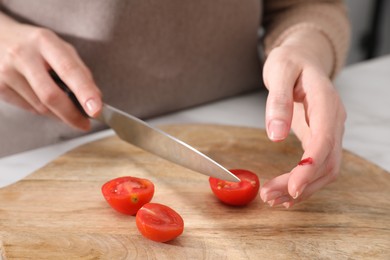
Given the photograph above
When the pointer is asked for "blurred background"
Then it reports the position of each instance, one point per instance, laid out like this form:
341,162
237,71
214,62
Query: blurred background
370,21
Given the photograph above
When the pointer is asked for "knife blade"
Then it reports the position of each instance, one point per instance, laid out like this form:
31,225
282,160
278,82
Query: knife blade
141,134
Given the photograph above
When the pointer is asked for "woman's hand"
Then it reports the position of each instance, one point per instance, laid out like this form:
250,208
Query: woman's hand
302,97
27,53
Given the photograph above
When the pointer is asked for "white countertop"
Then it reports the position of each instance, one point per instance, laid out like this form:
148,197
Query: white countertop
364,88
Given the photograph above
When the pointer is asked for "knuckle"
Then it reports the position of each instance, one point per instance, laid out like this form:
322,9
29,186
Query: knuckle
70,47
42,35
14,52
49,98
68,67
284,58
35,37
281,60
280,102
280,53
281,97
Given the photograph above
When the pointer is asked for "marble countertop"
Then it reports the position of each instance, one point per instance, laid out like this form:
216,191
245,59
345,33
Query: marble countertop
364,88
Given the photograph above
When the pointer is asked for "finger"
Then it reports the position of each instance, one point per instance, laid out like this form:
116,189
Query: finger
19,84
323,145
330,172
300,180
10,96
65,61
300,125
314,187
280,79
275,191
275,188
50,94
306,174
302,175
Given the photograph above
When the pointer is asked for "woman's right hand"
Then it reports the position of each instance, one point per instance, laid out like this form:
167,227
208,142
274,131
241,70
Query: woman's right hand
27,53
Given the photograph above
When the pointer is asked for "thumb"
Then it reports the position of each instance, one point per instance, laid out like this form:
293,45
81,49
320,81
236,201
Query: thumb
278,118
280,101
280,77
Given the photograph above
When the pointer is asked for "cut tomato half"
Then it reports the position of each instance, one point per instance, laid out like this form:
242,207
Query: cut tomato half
236,193
128,194
158,222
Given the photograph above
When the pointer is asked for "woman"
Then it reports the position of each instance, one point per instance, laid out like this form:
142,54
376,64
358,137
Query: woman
154,57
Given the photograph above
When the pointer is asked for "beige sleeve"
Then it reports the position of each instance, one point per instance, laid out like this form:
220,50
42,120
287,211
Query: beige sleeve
284,17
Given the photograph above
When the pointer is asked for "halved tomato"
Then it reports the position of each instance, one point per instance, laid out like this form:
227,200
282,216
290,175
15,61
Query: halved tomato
236,193
158,222
128,194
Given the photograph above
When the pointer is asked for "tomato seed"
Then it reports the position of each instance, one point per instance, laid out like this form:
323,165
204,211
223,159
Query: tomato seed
134,198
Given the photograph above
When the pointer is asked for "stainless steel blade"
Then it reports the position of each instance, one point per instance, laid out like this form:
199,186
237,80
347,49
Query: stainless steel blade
153,140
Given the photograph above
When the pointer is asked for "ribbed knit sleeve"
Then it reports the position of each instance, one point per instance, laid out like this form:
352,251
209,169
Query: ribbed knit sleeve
329,17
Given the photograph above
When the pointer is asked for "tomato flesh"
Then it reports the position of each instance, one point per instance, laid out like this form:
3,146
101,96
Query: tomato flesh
128,194
236,193
158,222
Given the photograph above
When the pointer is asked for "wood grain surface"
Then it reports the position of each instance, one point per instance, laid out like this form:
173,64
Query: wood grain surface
58,212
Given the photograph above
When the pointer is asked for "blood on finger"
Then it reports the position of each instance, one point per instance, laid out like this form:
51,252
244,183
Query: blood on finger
306,161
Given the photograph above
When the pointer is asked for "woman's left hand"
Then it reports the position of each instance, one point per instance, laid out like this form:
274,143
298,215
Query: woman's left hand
303,98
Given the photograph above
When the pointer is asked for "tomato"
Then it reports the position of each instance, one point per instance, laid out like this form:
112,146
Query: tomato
158,222
128,194
236,193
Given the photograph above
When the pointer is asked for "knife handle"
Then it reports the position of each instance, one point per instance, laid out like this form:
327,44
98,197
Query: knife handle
68,92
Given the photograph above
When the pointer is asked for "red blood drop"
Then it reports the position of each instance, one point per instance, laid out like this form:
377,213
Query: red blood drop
306,161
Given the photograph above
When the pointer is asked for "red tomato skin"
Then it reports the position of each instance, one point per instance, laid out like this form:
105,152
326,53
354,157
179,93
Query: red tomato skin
236,194
159,223
132,199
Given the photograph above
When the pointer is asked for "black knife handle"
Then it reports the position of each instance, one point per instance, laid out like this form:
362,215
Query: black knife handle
68,92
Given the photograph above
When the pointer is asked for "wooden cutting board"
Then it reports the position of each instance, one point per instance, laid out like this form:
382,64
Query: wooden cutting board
59,213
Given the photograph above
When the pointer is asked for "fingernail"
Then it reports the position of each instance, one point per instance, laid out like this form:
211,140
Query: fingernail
271,203
299,192
272,195
92,106
277,130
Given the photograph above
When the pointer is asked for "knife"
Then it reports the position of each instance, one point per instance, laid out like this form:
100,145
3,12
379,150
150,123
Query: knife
139,133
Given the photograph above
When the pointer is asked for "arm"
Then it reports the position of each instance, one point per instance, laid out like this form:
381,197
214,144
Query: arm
306,45
284,20
27,53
